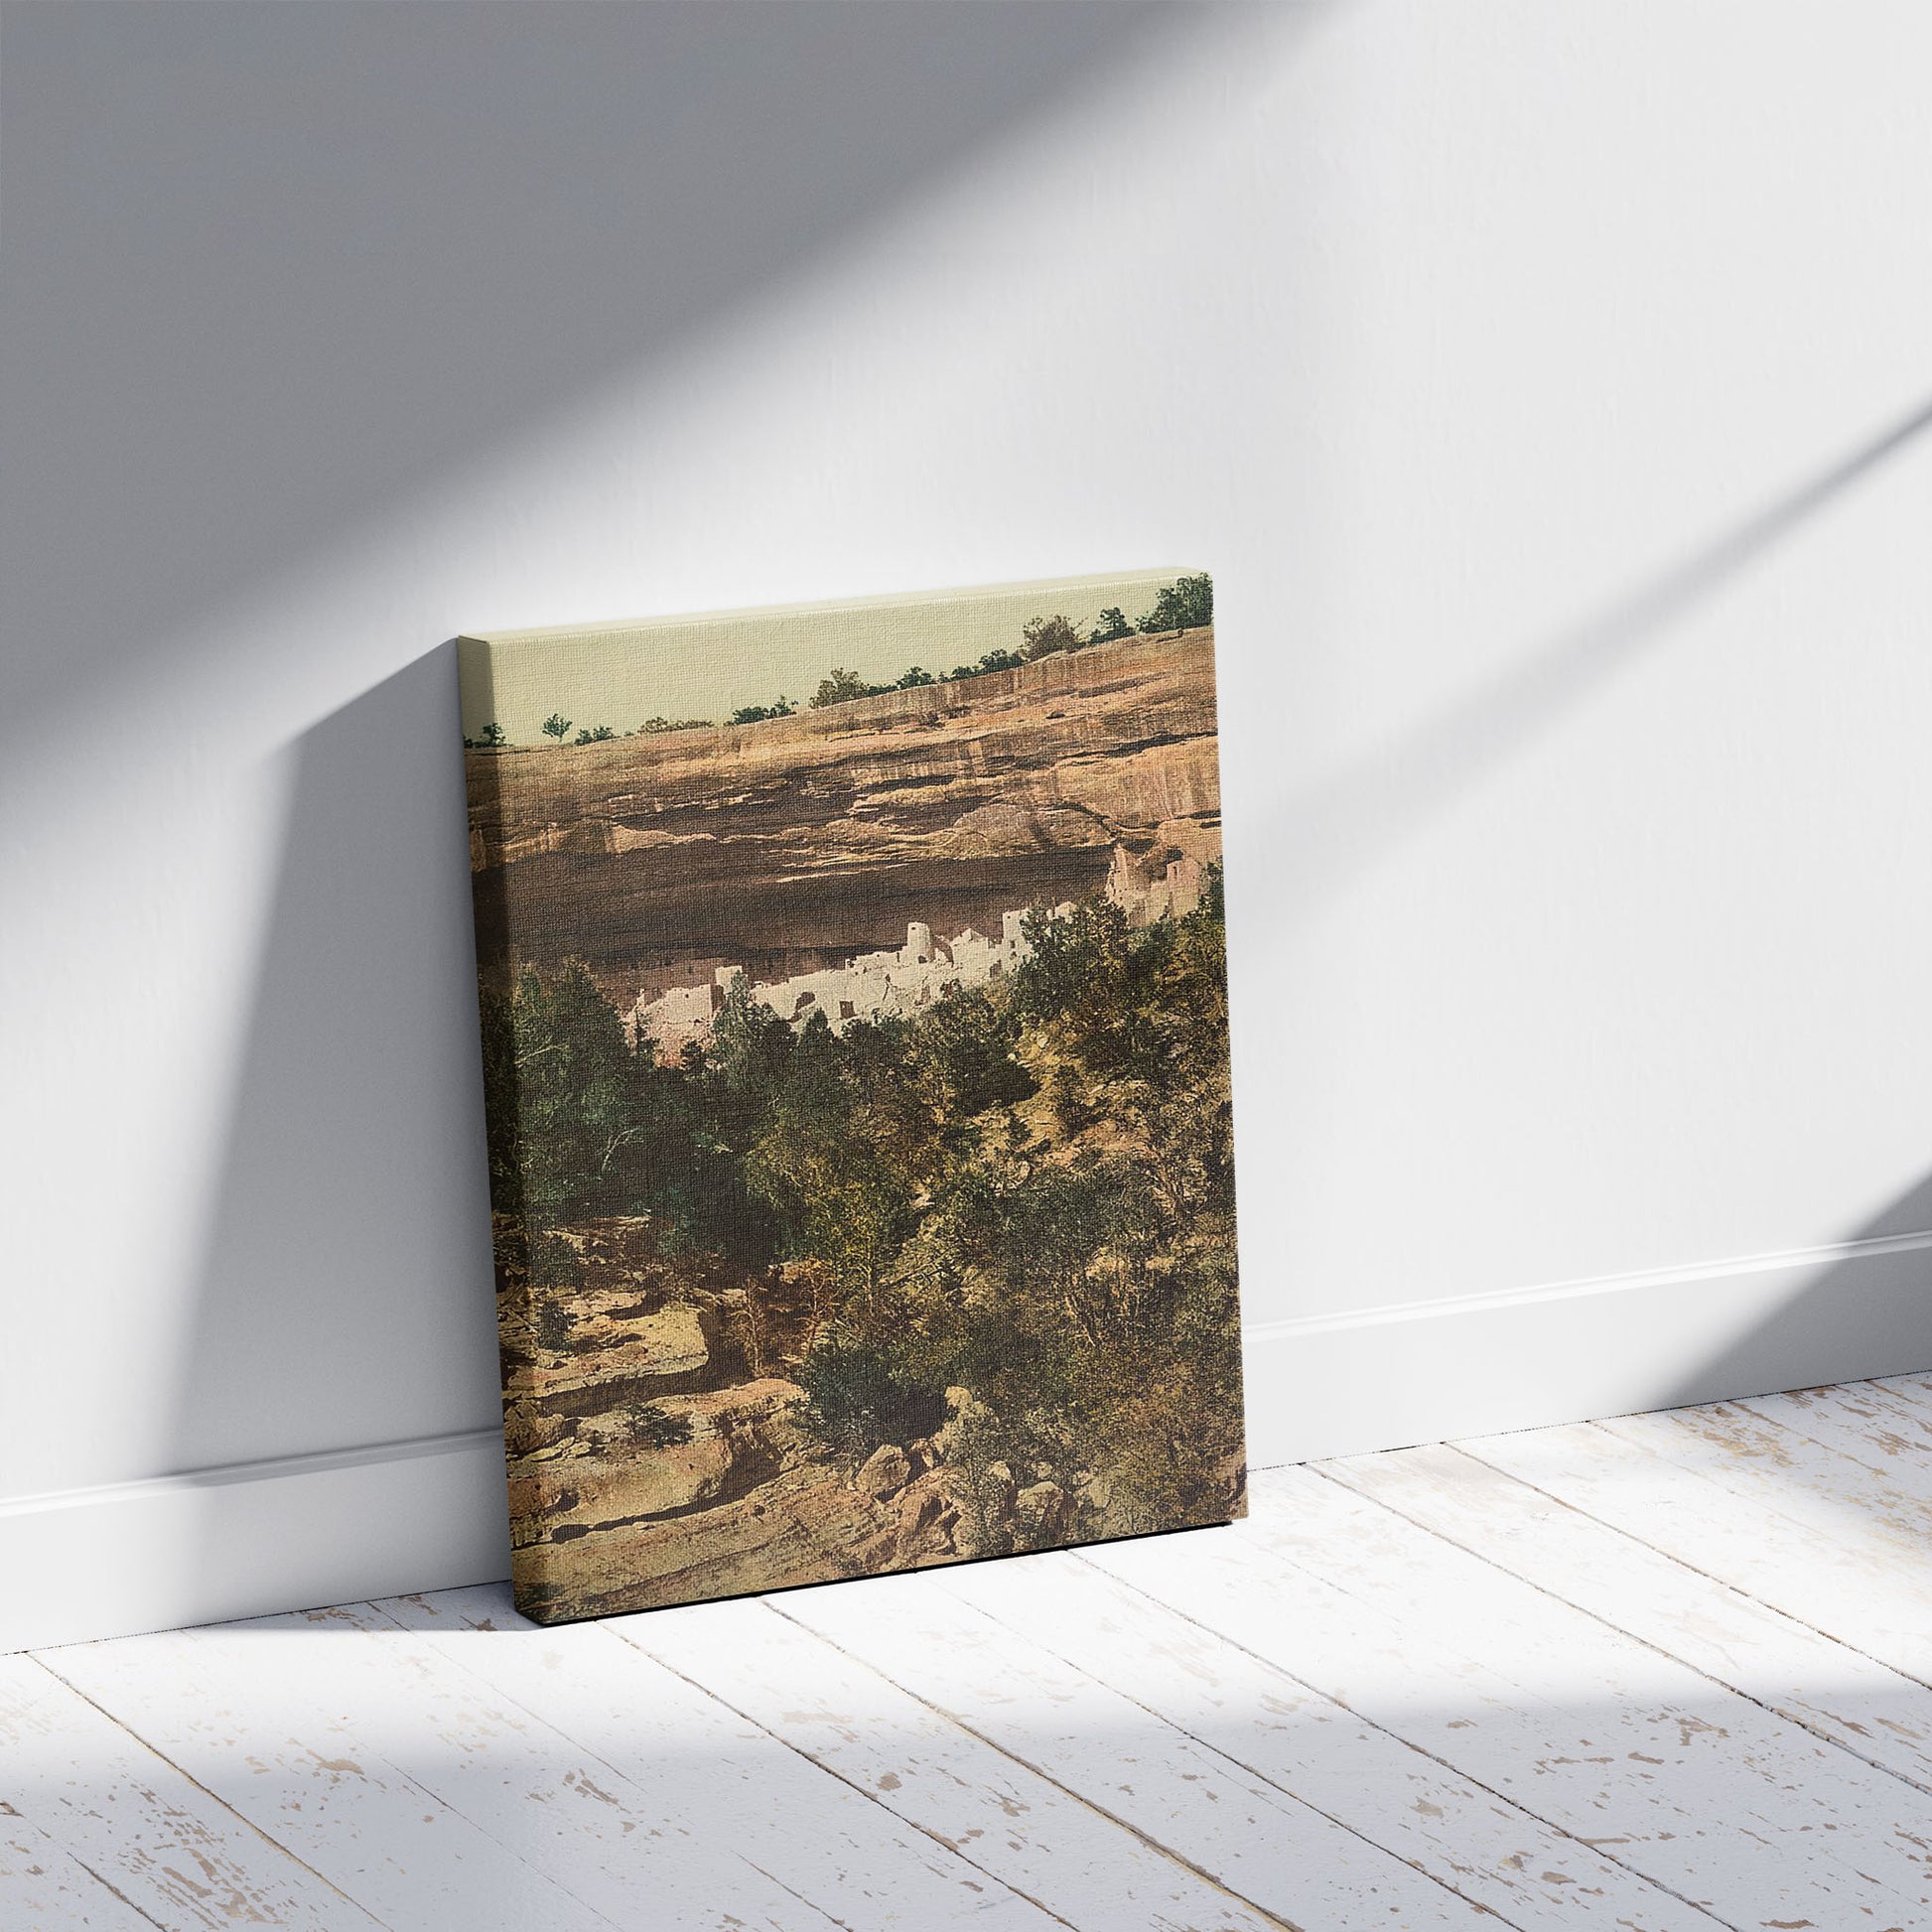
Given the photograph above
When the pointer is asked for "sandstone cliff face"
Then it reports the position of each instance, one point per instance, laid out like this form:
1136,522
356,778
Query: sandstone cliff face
787,844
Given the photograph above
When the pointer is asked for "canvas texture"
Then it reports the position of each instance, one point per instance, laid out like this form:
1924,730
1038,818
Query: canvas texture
854,1038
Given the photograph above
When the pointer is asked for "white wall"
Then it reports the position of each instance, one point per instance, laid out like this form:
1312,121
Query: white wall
1542,384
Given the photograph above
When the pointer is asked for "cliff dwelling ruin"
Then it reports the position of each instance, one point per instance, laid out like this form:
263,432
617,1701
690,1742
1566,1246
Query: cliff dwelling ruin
902,979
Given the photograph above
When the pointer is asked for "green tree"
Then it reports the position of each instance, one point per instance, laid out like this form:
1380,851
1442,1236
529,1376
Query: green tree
556,725
596,735
819,1161
491,738
742,1066
571,1072
1113,624
965,1047
1184,604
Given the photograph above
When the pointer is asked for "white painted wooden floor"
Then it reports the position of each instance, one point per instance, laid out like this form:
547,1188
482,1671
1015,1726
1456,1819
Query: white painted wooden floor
1666,1673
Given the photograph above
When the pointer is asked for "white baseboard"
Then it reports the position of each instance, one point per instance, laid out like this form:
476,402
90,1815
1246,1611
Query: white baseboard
332,1528
1526,1358
252,1539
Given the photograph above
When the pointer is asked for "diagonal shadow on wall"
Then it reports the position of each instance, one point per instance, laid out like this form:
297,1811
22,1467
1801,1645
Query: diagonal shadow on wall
272,267
1338,827
1868,1312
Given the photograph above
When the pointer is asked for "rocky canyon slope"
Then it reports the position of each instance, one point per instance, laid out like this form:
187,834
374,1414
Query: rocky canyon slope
656,1457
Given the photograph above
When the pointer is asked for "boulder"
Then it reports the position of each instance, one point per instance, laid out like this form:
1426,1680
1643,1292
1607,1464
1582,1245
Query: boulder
667,1352
884,1473
924,1532
1098,1493
527,1431
970,1418
1042,1514
674,1341
572,1497
920,1508
738,1439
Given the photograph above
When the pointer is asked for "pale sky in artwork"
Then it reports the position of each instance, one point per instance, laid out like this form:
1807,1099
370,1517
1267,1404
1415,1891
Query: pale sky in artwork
620,675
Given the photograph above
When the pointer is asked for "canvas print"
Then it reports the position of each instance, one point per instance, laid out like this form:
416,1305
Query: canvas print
855,1056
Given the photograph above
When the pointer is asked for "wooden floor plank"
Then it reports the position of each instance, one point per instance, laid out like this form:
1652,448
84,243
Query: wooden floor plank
680,1753
1778,1467
161,1841
1867,1600
1888,1434
1660,1786
1769,1774
249,1713
533,1790
1280,1728
46,1888
1045,1843
1845,1490
1879,1538
1915,1389
1837,1694
1263,1844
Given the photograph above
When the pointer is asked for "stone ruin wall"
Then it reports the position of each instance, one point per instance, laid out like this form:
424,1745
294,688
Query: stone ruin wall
904,979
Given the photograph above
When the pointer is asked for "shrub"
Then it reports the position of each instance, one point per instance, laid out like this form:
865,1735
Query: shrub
556,725
554,1326
858,1397
596,735
756,714
654,1426
1045,635
490,739
554,1263
994,661
841,687
1113,624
